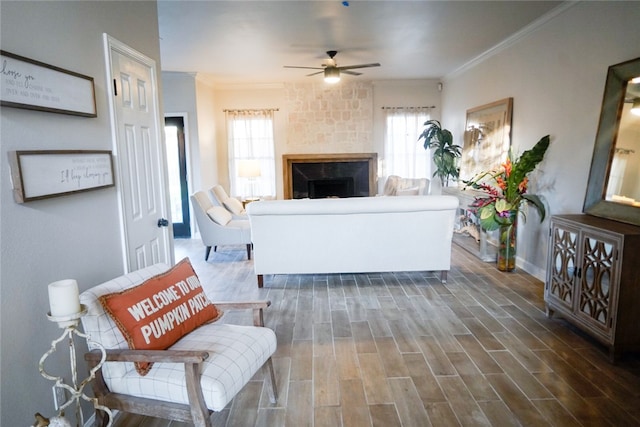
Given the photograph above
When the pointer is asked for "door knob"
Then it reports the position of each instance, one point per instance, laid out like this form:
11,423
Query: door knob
162,222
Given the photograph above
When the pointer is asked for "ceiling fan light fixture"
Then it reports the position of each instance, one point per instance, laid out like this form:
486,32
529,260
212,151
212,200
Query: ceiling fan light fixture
331,75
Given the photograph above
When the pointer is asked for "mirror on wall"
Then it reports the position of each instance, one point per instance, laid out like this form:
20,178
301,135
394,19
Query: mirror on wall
613,190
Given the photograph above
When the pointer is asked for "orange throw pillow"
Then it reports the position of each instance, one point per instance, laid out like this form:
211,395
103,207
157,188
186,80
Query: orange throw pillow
161,310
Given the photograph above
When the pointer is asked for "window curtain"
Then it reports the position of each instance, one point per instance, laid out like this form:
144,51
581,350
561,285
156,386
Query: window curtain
618,170
404,155
250,137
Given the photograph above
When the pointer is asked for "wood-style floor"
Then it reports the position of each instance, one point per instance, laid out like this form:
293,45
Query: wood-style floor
403,349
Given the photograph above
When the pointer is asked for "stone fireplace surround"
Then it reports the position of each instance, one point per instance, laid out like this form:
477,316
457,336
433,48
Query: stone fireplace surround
330,175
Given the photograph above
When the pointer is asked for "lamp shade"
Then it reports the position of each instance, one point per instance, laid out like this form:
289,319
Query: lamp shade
248,168
331,75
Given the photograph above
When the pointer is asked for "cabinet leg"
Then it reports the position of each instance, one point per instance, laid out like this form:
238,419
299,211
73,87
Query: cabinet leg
549,311
614,354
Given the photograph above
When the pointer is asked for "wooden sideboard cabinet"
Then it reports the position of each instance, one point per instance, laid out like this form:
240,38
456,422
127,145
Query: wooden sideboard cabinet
593,279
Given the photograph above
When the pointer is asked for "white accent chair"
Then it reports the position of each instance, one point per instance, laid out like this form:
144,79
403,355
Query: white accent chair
398,186
220,197
217,225
198,374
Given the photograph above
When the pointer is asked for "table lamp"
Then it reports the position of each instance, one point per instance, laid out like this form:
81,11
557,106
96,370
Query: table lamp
250,170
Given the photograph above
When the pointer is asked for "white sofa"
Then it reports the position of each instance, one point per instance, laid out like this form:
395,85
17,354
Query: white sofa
352,235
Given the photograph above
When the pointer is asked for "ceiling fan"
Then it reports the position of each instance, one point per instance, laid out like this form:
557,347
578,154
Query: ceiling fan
332,71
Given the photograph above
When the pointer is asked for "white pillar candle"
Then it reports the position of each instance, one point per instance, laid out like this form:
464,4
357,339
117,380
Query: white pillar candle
64,299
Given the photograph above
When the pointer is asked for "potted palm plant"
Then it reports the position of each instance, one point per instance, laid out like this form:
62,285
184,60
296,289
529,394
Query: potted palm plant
445,151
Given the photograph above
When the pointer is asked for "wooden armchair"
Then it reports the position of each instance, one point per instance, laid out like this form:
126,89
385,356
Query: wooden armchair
199,374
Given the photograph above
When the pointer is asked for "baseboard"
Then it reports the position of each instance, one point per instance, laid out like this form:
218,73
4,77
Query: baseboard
537,272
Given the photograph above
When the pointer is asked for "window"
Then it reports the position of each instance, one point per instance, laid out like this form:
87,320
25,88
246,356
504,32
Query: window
250,134
404,155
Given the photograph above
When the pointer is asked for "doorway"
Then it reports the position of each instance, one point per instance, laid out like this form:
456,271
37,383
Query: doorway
177,174
136,128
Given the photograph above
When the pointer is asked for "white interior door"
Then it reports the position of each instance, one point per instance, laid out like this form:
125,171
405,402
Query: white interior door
137,128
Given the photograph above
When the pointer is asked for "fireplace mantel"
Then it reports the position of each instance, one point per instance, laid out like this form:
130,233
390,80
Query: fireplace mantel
289,161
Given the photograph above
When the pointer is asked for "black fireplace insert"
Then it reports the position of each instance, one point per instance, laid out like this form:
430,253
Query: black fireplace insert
336,187
330,179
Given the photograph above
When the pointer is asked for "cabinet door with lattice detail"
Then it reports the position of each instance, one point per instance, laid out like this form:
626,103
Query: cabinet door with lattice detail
597,302
563,267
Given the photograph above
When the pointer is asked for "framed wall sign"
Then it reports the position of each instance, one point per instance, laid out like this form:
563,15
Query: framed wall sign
41,174
487,138
34,85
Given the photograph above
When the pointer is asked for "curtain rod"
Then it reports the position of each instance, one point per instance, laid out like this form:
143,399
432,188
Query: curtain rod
250,110
624,151
408,108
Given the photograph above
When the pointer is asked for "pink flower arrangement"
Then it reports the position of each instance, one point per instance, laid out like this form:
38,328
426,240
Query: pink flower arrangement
506,188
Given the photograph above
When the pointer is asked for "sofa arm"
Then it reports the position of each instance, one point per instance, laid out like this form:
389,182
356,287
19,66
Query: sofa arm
196,411
256,306
152,356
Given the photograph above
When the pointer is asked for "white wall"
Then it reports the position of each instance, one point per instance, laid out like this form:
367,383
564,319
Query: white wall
206,103
75,236
179,96
556,77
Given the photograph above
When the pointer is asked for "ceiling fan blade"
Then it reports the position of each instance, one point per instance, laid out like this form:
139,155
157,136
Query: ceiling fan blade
351,67
309,68
353,73
313,74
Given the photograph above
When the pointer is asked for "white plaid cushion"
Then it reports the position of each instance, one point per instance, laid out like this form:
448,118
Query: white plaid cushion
235,352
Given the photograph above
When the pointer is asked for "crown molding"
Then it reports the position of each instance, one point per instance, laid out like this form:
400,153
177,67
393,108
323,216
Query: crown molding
513,39
404,82
247,86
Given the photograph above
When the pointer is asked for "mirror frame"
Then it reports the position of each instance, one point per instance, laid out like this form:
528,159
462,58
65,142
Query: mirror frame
615,89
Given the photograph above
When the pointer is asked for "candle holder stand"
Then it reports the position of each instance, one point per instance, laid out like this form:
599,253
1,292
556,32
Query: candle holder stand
76,391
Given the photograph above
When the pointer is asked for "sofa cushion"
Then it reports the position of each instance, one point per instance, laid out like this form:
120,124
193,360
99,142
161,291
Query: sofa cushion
397,186
413,191
161,310
219,193
390,185
234,206
219,215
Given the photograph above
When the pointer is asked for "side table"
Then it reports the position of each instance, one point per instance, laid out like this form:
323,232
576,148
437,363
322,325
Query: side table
485,247
248,200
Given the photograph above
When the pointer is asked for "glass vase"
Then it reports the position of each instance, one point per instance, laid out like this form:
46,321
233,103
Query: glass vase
507,243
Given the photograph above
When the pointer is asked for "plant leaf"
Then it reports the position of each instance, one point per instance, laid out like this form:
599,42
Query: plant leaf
529,160
502,205
489,223
537,202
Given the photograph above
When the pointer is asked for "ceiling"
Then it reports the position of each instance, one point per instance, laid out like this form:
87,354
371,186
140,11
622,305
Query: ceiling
247,42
